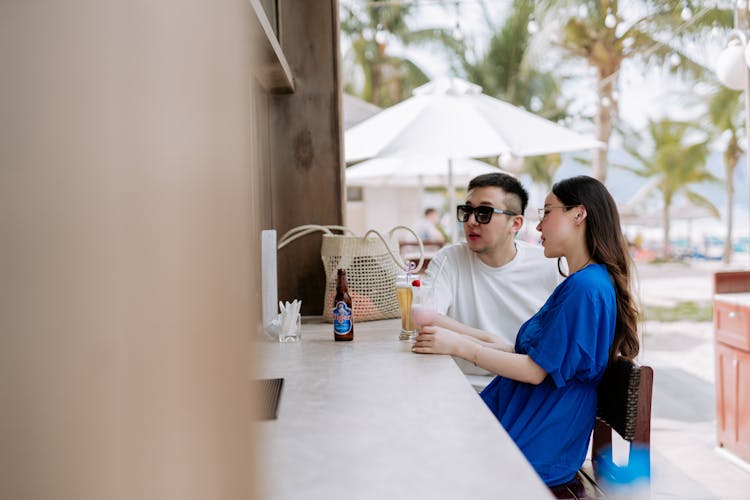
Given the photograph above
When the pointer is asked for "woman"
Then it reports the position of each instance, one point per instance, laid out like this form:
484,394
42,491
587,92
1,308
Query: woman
545,394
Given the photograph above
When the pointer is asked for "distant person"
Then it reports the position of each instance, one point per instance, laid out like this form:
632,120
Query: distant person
545,393
493,281
428,227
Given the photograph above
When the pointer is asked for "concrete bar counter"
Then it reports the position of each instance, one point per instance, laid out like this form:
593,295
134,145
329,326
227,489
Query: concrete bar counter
369,419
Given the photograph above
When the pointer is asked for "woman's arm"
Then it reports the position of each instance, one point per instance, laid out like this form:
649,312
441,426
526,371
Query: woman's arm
479,336
438,340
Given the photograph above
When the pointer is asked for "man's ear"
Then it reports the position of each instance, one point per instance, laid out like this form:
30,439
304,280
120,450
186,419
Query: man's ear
518,223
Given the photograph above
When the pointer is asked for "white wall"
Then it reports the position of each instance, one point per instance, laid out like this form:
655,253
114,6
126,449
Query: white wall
382,208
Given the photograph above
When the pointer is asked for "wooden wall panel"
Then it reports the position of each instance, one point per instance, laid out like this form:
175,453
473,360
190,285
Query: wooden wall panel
306,145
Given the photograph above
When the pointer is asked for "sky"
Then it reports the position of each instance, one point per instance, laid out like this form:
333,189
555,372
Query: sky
643,93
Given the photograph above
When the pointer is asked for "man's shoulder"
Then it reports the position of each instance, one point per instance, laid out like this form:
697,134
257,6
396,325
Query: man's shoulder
533,262
531,251
454,251
448,257
454,256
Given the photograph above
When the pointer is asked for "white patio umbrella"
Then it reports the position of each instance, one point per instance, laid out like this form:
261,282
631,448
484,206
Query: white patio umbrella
451,119
417,171
684,211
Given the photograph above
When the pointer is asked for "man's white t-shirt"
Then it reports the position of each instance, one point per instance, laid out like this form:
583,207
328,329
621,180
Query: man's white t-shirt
494,299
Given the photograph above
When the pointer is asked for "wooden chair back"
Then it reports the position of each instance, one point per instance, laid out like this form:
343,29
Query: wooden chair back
624,406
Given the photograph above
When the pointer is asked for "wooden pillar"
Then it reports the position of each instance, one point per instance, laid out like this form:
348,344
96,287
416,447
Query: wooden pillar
306,145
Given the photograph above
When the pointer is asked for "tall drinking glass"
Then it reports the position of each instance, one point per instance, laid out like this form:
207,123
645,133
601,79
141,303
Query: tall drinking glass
405,295
423,311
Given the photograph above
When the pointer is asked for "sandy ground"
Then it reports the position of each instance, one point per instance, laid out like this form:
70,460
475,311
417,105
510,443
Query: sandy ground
687,462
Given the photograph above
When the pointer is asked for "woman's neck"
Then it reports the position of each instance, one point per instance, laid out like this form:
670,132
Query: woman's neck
578,262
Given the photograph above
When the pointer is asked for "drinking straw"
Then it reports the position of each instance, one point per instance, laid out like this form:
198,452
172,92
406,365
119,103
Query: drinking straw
437,274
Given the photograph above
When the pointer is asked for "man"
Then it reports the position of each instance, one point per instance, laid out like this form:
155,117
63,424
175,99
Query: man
492,282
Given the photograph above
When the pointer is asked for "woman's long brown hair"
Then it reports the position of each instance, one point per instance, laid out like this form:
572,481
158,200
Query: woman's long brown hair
607,245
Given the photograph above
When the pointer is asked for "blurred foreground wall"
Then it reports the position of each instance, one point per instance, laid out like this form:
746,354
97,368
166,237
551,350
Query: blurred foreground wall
134,182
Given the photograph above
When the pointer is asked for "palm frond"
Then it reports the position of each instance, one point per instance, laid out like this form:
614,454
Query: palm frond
701,201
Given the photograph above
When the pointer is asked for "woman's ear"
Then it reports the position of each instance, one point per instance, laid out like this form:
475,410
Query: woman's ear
581,215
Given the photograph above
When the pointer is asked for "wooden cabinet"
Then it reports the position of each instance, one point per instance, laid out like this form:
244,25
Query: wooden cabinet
732,329
732,320
733,399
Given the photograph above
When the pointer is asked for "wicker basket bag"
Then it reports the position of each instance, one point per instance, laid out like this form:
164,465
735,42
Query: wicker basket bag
372,263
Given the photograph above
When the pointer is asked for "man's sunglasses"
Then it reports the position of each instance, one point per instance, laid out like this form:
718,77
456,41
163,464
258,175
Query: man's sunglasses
482,213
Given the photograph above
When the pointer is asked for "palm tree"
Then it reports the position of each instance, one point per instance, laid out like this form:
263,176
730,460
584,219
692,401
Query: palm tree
386,79
505,71
542,169
663,152
725,113
596,31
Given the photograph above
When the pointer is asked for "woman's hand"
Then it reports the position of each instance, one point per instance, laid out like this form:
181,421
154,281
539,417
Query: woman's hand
438,340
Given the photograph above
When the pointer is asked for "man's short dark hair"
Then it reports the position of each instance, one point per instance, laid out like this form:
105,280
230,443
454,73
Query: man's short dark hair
507,183
429,211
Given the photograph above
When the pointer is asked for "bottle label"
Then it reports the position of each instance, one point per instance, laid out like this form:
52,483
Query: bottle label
342,318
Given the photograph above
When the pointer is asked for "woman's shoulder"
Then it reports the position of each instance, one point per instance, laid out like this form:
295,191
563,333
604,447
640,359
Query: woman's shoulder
592,278
591,285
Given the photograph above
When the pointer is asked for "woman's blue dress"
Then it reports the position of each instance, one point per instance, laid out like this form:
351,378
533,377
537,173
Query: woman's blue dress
569,338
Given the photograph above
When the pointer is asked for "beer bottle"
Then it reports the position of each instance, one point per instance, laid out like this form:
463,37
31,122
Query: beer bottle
343,318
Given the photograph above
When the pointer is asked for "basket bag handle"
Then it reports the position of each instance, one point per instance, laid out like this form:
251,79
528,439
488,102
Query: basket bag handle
300,231
306,229
398,259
